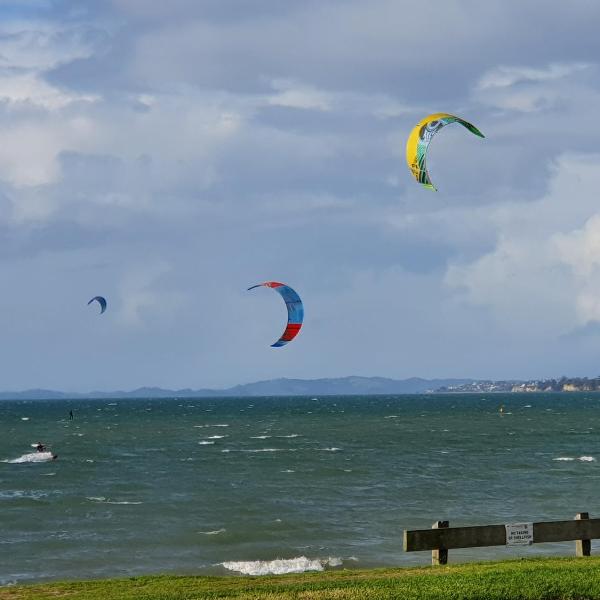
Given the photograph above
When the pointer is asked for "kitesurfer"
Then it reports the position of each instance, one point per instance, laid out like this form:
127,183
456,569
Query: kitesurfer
40,447
71,417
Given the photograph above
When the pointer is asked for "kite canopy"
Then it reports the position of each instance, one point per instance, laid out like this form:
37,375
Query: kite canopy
294,307
418,142
101,301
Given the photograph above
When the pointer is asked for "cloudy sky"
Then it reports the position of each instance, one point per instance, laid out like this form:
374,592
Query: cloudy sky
169,155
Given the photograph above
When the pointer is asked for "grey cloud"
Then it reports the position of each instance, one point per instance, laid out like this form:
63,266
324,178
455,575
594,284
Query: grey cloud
399,48
202,147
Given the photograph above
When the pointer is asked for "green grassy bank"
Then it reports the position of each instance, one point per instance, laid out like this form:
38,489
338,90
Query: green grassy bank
532,579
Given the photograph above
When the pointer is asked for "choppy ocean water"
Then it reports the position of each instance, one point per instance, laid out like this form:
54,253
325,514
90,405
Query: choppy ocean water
254,485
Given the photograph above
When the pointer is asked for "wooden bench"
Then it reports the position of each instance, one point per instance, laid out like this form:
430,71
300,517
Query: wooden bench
441,538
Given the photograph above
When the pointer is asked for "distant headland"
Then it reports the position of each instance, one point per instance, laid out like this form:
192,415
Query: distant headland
339,386
564,384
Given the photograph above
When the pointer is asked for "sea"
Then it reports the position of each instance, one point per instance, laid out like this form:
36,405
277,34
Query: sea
258,485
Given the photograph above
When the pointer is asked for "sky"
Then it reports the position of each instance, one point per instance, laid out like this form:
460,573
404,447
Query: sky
170,155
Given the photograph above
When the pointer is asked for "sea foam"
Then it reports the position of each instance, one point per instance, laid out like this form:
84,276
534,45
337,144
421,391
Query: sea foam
280,566
103,500
32,457
215,532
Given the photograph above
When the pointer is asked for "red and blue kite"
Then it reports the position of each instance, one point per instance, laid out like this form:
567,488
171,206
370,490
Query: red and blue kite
294,307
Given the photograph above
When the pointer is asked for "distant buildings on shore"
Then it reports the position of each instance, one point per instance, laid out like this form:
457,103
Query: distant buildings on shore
564,384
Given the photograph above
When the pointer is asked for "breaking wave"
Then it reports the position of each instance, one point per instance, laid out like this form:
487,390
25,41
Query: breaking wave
280,566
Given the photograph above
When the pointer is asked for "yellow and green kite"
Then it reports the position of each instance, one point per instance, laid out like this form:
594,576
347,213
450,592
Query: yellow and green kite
418,142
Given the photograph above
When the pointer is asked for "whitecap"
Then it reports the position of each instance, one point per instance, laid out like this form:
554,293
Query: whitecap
24,418
271,450
564,458
292,435
281,566
587,459
32,457
288,471
260,437
18,494
215,532
103,500
215,437
332,449
392,417
205,443
221,425
527,406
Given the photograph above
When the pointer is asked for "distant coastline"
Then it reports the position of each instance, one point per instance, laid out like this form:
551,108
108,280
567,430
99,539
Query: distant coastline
564,384
340,386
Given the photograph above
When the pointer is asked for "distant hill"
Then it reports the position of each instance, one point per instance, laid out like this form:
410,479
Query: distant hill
341,386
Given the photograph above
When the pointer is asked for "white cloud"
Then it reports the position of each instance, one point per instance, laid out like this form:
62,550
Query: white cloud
294,95
26,90
507,76
540,277
41,45
528,89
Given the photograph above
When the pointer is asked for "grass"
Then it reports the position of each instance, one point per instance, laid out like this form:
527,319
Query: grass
548,579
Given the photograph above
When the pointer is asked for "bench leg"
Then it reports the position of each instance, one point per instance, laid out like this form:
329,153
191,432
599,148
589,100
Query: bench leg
440,555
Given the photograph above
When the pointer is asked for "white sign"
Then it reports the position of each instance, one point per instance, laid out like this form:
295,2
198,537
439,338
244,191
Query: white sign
519,534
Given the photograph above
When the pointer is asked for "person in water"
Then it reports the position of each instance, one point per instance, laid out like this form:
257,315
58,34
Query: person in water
40,447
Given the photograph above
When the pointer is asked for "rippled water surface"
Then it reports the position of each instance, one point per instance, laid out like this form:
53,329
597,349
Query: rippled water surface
278,484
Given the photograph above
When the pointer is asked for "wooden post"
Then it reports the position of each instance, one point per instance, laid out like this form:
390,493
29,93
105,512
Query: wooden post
582,547
439,556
